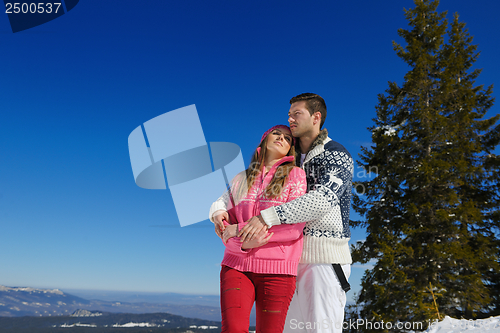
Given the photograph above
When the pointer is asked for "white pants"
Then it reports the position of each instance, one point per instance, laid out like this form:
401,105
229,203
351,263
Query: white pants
319,301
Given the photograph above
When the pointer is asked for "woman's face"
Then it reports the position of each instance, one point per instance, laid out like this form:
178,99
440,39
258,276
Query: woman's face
279,141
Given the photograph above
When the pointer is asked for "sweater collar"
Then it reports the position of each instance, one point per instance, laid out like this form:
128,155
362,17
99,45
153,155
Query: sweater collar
320,139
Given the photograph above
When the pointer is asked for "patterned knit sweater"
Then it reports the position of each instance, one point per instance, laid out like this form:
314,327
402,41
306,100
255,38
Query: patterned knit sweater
325,207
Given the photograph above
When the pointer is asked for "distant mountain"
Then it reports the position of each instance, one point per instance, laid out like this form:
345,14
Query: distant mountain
147,297
25,301
108,322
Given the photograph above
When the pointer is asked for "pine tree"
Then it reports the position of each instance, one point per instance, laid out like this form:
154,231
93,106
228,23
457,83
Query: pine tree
431,212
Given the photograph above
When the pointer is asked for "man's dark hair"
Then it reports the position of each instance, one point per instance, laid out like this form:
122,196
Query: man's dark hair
314,103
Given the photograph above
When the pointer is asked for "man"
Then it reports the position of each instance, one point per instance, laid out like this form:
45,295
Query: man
319,300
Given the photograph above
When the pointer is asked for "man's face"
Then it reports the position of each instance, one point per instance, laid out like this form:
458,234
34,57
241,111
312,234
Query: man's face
300,120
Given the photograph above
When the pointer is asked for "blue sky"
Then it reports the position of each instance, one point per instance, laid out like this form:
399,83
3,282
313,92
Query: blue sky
74,88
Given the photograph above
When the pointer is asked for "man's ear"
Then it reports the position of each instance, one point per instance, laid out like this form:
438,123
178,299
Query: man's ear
317,117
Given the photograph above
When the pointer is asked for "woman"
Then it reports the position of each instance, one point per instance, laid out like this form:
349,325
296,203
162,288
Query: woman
262,270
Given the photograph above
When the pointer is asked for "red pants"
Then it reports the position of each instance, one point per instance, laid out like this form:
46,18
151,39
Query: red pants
272,294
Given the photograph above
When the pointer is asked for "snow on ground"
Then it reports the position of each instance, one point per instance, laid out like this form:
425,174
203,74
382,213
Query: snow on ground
78,325
451,325
135,325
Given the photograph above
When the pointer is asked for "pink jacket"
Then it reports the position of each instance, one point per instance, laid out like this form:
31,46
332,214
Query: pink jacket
282,254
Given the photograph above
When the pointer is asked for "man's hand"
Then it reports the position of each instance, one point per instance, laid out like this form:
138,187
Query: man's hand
254,227
261,239
229,232
218,217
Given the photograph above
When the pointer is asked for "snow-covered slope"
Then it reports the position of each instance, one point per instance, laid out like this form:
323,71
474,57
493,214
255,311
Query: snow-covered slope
451,325
31,290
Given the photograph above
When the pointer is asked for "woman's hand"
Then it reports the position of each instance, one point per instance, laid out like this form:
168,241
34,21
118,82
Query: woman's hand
260,239
229,232
219,217
253,227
